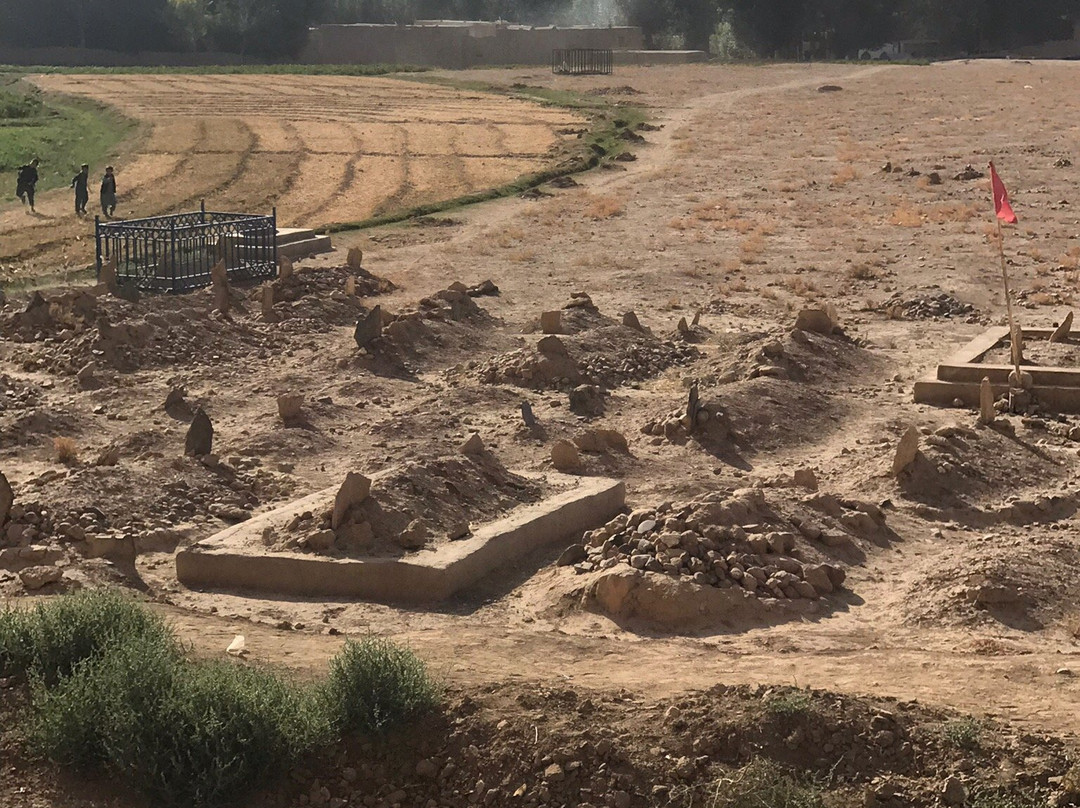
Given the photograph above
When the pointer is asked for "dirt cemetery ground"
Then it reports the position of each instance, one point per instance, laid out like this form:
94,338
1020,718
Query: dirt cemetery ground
762,192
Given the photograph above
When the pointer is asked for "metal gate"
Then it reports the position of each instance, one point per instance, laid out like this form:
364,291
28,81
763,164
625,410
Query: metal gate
583,62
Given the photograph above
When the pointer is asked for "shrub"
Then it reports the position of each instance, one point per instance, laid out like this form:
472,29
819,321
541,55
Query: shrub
375,685
763,784
49,641
186,734
20,106
962,733
67,452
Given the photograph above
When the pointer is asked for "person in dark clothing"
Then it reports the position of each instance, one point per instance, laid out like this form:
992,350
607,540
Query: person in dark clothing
27,180
82,195
108,192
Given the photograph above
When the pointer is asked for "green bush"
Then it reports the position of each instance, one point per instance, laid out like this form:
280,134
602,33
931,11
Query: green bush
962,733
110,688
375,685
50,640
185,733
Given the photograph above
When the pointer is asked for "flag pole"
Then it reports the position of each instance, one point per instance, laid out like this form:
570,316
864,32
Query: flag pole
1008,300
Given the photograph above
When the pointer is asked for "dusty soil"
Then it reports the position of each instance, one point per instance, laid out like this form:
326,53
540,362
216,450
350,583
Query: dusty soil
757,197
321,149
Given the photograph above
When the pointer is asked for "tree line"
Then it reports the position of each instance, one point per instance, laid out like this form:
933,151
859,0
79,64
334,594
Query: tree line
276,29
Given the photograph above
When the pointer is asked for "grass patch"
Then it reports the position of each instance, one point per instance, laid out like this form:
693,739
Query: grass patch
62,131
112,689
763,784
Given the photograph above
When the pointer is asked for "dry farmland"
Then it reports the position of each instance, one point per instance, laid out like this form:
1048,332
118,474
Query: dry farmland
322,149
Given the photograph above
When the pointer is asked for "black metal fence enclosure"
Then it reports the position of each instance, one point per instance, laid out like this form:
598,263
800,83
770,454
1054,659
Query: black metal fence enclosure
175,253
583,62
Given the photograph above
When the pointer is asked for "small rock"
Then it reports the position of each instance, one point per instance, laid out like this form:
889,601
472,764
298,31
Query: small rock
368,327
630,320
816,320
415,536
573,554
355,260
587,400
565,456
906,451
7,498
34,578
953,791
805,478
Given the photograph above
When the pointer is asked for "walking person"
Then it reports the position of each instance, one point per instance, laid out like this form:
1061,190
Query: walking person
27,180
108,193
82,194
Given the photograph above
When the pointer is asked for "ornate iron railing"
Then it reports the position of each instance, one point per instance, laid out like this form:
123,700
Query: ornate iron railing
583,62
175,253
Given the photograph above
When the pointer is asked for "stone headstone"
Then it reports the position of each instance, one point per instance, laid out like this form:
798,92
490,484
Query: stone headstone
683,327
7,498
369,327
587,399
551,322
1061,333
816,320
175,403
630,320
355,260
986,402
805,478
267,301
350,286
200,435
693,405
473,446
552,346
285,267
565,456
289,406
697,318
906,451
527,415
353,491
1016,345
220,277
108,276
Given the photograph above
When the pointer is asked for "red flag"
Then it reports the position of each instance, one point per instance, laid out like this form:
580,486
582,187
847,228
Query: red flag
1002,207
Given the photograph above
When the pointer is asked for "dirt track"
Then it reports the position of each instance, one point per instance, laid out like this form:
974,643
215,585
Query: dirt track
322,149
759,196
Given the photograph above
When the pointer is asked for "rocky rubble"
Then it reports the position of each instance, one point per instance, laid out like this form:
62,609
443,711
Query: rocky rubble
710,541
929,306
66,332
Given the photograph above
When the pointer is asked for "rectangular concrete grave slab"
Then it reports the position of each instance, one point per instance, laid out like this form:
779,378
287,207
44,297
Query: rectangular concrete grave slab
959,376
232,560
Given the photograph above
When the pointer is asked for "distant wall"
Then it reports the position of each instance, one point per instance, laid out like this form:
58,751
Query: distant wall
456,46
88,57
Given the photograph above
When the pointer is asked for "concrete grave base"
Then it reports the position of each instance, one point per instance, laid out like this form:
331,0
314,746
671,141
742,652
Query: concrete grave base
234,559
959,377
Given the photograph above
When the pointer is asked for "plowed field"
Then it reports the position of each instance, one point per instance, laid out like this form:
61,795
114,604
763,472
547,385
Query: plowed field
323,149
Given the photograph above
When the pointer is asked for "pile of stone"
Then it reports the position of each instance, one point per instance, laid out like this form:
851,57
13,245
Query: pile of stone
16,394
928,307
708,541
696,418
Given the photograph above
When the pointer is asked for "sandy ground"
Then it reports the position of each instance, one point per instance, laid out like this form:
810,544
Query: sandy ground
320,149
760,195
